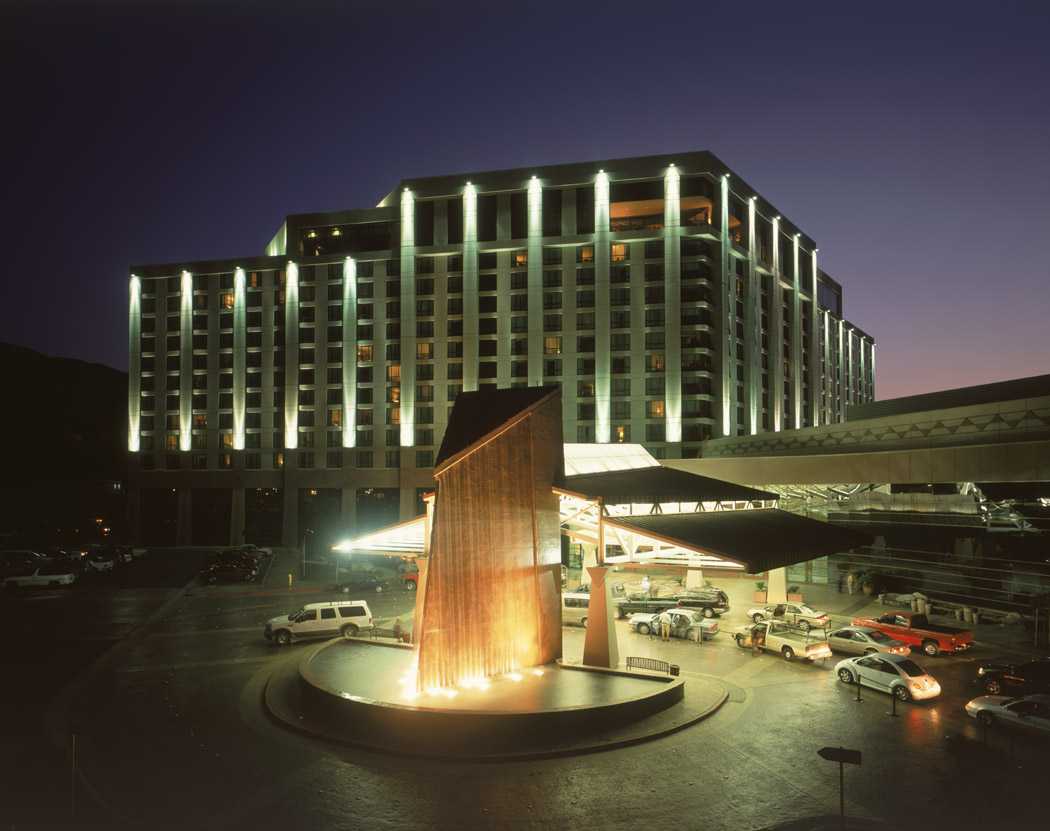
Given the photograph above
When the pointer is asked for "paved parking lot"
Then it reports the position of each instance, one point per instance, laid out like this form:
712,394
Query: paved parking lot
171,733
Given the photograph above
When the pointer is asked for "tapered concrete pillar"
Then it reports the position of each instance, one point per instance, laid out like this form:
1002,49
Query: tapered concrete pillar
590,560
184,518
237,517
694,578
776,586
600,648
348,509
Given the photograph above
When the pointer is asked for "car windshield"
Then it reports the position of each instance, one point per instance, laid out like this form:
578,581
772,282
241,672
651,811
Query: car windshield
878,637
910,668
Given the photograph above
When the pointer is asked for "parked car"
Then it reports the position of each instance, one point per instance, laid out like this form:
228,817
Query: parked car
236,556
1030,714
320,620
574,606
99,562
898,675
1000,678
20,561
227,573
917,631
410,579
709,601
643,603
359,582
47,574
863,640
685,623
123,553
788,640
797,613
255,551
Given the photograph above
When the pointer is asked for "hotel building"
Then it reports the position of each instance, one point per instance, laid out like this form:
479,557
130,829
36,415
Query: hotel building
271,396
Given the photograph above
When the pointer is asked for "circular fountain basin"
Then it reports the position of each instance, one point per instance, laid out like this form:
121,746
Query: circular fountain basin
352,691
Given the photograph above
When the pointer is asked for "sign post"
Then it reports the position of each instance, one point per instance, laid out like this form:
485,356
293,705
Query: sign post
844,757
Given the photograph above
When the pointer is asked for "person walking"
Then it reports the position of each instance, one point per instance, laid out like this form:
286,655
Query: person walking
665,626
398,631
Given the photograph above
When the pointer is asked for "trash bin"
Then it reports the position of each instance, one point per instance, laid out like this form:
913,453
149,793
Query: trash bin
675,670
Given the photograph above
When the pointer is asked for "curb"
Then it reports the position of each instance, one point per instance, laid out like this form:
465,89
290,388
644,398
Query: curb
279,715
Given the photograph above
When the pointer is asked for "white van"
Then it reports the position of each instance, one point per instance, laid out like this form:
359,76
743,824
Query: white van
574,607
320,620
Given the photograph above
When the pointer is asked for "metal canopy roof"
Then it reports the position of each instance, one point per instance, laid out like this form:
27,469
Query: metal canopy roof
660,484
758,540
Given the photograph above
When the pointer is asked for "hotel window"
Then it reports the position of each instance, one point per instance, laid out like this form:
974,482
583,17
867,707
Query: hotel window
585,343
392,458
487,326
620,365
306,460
487,369
619,252
655,431
654,408
519,302
585,389
519,369
620,319
552,279
519,280
278,459
552,367
519,258
552,345
620,341
584,321
424,458
393,373
519,346
335,417
585,299
585,412
620,410
552,300
622,433
654,362
487,348
334,459
552,323
585,433
620,297
585,254
585,276
172,441
654,385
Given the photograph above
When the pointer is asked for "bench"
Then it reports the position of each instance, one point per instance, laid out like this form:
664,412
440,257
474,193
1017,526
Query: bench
652,664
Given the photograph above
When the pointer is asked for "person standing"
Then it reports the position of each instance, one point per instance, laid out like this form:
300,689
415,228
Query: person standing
665,626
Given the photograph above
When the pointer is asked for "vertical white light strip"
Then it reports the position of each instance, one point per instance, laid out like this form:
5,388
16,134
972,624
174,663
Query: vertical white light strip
843,392
851,374
349,352
872,372
827,382
186,362
535,296
134,362
602,357
776,334
470,288
728,330
672,301
862,373
408,319
814,346
752,323
796,337
291,356
239,359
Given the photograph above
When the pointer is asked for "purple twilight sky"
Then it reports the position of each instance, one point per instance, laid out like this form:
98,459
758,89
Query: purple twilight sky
911,140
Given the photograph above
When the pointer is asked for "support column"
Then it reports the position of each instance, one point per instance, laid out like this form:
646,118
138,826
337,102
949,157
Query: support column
828,382
237,536
694,578
348,509
408,319
776,335
184,517
602,358
841,369
672,303
590,560
600,648
470,288
851,372
535,296
871,370
776,586
727,329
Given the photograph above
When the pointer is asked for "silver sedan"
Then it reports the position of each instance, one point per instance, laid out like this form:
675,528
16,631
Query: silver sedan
863,640
1030,714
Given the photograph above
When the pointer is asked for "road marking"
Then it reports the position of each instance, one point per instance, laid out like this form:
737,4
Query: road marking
188,633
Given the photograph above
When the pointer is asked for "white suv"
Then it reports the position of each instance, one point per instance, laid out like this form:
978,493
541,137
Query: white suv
320,620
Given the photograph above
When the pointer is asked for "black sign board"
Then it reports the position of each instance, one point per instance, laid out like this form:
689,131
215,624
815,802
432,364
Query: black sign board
840,754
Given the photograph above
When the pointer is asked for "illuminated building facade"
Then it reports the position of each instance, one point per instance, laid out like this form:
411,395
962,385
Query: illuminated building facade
668,299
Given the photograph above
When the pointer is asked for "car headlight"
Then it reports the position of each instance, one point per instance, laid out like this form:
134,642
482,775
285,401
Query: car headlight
981,670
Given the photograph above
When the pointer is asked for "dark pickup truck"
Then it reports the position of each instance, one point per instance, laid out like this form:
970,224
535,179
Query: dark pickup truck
917,631
710,602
